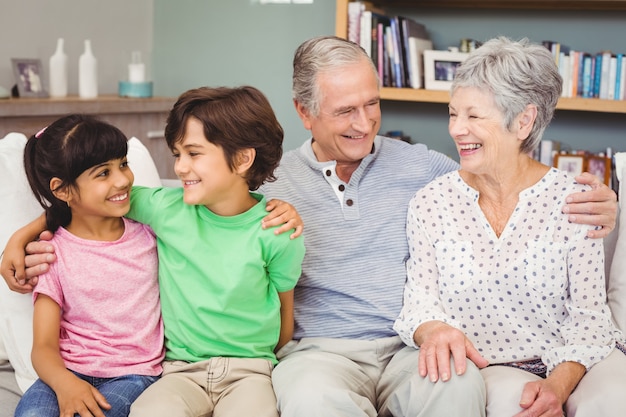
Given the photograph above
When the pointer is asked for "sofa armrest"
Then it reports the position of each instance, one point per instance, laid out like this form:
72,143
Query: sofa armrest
616,251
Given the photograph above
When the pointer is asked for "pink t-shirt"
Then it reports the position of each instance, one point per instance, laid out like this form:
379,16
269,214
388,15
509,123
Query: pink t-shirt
109,296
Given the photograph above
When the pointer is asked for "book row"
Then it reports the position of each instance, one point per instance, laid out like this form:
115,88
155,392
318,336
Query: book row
600,75
394,43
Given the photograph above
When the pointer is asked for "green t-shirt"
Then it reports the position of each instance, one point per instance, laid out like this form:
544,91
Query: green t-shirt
219,277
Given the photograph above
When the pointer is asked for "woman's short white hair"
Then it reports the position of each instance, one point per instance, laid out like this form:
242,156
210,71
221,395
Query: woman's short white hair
517,73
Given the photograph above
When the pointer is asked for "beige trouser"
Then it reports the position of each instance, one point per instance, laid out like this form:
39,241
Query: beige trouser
320,377
219,387
601,392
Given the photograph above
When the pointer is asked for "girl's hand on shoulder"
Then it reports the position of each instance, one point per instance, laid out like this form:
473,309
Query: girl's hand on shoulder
79,397
284,215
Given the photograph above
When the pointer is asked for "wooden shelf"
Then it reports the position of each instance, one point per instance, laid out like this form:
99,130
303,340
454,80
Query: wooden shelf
431,96
411,94
427,96
109,104
509,4
143,118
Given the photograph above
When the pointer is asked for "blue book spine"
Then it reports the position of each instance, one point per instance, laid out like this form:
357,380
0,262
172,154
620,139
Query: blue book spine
618,78
597,76
593,71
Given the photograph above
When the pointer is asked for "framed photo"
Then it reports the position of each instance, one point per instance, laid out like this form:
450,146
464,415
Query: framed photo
600,166
440,68
29,77
574,164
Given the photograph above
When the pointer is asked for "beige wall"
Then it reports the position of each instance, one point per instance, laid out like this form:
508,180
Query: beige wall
30,28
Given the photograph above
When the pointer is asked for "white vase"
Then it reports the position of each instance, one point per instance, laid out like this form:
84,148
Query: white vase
58,71
87,73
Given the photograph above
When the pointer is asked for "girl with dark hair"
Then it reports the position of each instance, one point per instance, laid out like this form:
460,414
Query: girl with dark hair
98,333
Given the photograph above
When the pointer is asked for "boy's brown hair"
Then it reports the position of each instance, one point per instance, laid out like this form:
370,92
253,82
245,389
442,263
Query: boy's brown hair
233,119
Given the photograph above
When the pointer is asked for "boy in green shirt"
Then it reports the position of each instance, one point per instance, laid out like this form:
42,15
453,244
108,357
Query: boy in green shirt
226,284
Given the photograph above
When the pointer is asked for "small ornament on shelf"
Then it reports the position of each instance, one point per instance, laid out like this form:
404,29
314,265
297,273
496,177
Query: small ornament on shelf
136,86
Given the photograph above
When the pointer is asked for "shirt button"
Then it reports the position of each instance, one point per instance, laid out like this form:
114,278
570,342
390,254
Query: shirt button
342,187
349,203
328,173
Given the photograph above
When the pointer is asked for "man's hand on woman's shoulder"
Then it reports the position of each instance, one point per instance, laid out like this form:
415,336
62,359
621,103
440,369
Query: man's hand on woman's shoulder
597,207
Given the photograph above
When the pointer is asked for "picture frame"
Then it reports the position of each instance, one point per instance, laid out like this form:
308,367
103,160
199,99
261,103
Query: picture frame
573,164
29,77
440,67
600,166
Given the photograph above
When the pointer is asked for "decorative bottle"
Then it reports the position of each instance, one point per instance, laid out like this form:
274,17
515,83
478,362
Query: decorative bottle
58,71
87,73
136,69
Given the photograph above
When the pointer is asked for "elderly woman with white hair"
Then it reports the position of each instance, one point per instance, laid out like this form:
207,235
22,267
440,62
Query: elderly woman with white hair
496,272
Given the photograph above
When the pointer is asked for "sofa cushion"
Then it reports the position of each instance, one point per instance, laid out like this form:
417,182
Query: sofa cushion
616,284
10,393
18,208
142,164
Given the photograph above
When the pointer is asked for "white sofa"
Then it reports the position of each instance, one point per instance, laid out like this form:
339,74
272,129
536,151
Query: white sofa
19,206
615,252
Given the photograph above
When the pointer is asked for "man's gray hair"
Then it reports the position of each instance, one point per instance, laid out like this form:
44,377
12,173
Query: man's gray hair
316,55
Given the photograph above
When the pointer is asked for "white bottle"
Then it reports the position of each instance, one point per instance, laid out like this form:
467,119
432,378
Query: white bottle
58,71
87,73
136,69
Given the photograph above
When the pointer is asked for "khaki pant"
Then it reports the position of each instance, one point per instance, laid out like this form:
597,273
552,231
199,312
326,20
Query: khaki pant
320,377
218,387
601,392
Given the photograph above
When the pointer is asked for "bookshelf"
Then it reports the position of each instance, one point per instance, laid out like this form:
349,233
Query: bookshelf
428,96
512,4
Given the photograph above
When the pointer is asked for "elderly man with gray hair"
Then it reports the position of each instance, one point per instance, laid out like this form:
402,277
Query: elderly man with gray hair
352,189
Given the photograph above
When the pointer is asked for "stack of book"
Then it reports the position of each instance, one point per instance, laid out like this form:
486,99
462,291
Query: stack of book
395,43
600,75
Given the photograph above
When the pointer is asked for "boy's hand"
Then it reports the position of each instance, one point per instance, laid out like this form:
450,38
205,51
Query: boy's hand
284,215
